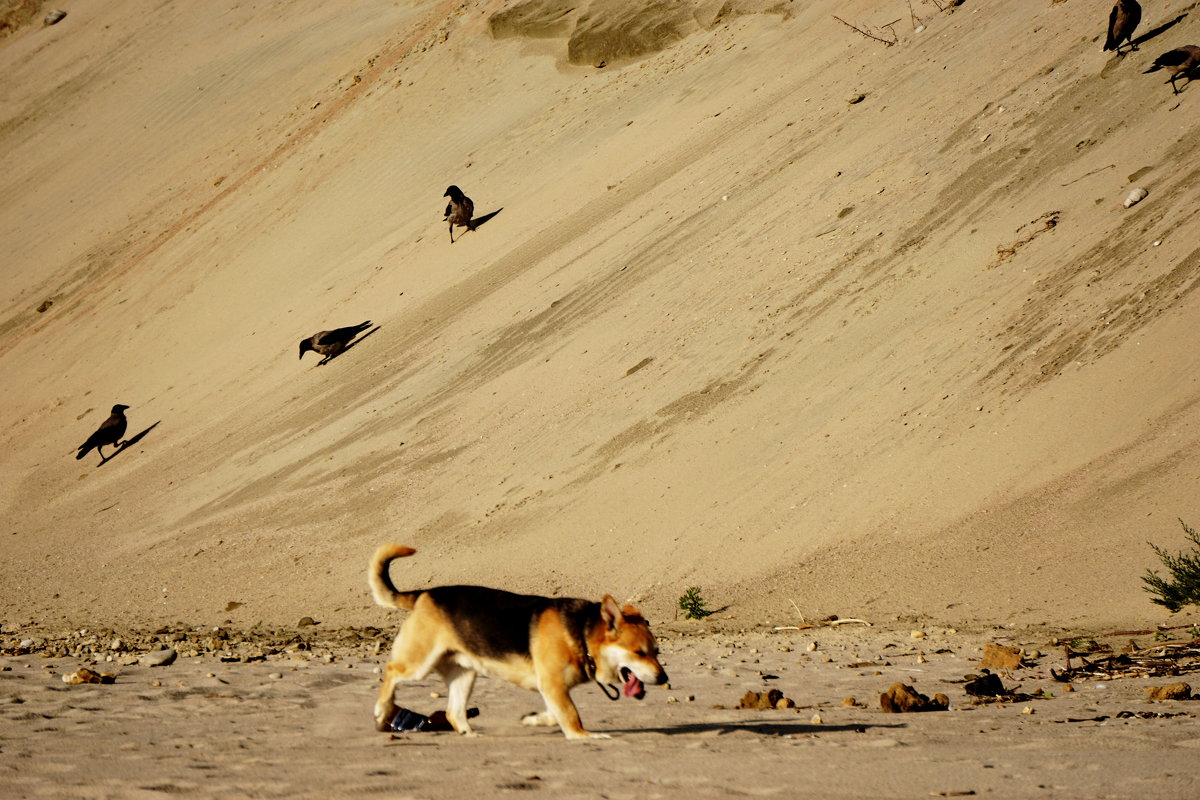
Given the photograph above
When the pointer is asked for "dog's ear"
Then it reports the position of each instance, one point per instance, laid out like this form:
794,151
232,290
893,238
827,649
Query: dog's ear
610,613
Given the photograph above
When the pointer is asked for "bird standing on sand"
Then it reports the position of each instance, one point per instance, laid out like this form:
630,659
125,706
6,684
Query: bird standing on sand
1125,17
1122,20
1182,61
459,210
109,432
331,343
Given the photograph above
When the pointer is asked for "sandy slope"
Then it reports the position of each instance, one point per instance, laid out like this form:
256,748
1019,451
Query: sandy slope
728,329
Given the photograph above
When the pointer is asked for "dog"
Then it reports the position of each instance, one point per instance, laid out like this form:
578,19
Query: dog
547,644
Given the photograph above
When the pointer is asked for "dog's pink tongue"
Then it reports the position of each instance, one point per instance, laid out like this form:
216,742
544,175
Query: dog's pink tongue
634,687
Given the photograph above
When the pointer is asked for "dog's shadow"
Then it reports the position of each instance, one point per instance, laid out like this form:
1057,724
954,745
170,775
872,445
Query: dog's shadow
757,727
351,344
130,442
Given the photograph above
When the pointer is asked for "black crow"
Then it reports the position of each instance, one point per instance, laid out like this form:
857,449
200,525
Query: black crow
1125,16
109,432
1181,61
459,210
331,343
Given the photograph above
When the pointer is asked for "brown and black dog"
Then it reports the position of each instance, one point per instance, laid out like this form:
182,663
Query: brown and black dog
543,643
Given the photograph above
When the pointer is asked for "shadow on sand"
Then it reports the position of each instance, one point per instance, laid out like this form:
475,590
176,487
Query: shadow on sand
757,727
130,442
349,345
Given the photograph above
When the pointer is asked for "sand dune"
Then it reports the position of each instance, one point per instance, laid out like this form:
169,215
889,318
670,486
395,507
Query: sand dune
907,356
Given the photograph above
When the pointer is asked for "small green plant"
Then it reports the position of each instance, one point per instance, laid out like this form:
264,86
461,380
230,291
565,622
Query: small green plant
1183,585
693,605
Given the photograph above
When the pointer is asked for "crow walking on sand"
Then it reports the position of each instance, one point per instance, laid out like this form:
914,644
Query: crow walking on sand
331,343
1123,20
459,210
109,432
1181,62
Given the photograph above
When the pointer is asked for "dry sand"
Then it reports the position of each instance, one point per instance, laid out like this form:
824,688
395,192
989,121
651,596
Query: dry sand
905,358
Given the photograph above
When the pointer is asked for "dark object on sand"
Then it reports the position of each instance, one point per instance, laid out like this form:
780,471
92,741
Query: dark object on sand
1180,62
1124,19
331,343
408,720
109,432
53,17
459,210
902,699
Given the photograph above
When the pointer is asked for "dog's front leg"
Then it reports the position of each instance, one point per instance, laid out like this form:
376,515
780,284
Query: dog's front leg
559,703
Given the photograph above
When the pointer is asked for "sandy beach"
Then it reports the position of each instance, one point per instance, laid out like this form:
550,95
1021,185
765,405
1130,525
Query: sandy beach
299,725
883,311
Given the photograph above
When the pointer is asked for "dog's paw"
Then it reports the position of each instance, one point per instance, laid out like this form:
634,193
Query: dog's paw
538,719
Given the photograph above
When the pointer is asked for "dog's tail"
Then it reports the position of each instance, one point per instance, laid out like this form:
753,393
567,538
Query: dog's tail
382,588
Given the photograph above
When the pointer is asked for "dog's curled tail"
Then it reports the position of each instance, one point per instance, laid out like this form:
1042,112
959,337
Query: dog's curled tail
382,588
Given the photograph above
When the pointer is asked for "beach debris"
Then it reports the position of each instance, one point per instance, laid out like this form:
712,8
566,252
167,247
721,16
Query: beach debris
1098,662
85,675
1134,197
53,17
855,99
44,306
986,685
1172,691
1046,222
902,698
998,656
159,658
772,698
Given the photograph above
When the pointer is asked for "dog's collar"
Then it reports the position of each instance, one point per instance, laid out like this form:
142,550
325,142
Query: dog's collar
589,667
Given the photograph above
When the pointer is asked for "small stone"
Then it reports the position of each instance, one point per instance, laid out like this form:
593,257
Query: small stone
917,634
921,659
1172,691
276,676
812,647
672,699
997,656
815,719
903,699
116,646
855,99
306,622
159,658
1027,710
849,702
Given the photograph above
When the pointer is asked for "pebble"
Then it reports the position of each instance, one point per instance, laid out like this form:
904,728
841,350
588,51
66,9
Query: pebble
815,719
917,634
276,676
159,658
1134,197
854,99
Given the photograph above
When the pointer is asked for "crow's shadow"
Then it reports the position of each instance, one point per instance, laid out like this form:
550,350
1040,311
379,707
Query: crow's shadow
1159,31
130,442
350,344
476,222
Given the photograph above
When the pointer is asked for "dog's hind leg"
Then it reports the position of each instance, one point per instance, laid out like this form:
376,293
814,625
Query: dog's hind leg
460,681
410,661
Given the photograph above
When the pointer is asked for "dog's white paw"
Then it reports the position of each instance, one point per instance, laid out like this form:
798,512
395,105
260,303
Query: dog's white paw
539,719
